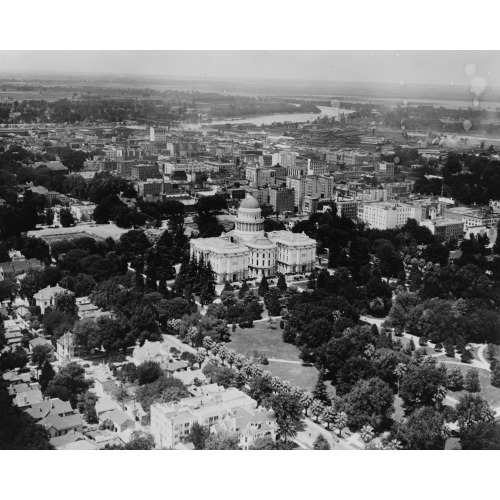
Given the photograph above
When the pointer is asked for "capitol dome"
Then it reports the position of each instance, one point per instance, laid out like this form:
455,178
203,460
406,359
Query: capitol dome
249,202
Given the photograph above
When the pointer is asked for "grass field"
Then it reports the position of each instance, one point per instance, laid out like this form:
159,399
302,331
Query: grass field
269,342
302,376
261,338
488,392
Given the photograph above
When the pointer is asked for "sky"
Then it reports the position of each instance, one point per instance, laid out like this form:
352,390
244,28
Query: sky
391,66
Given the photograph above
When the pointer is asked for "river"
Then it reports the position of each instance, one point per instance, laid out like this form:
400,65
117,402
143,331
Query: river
286,117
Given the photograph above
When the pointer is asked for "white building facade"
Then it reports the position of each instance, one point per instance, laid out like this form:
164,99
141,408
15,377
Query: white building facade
246,252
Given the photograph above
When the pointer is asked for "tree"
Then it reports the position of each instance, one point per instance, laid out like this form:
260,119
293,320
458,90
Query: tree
369,402
263,287
422,431
367,433
482,436
466,356
288,411
86,406
46,375
66,217
471,381
341,421
455,379
68,384
140,441
420,384
222,441
282,286
449,349
18,430
148,372
243,290
490,350
320,443
198,434
329,416
317,409
399,371
472,409
40,354
319,392
495,376
66,303
306,400
264,443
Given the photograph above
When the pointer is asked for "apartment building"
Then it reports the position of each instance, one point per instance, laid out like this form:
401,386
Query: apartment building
172,422
284,159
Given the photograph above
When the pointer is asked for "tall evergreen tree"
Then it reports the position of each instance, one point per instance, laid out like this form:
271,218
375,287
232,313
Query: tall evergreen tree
46,375
263,287
243,290
319,391
151,278
282,283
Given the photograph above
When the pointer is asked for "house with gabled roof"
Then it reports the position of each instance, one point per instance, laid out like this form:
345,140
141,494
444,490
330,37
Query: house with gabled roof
248,425
118,420
53,406
58,426
25,399
46,296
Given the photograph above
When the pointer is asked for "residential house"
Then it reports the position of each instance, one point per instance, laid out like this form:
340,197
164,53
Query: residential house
118,420
104,381
46,297
25,399
59,426
14,378
104,405
48,407
248,425
67,349
190,377
72,440
150,351
13,334
41,341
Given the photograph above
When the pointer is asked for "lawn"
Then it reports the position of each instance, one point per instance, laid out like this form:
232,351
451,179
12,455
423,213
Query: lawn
298,375
488,392
269,342
261,338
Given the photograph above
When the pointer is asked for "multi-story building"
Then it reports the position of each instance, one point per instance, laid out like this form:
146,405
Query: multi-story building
248,425
171,422
448,228
282,199
347,207
473,217
247,252
143,172
83,211
158,134
384,170
385,215
284,159
259,177
298,186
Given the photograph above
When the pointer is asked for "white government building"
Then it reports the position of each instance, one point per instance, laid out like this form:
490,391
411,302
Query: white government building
246,252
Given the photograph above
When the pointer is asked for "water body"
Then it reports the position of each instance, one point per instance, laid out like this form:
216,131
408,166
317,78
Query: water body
280,118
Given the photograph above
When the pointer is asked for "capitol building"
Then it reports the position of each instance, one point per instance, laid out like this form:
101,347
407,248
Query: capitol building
246,252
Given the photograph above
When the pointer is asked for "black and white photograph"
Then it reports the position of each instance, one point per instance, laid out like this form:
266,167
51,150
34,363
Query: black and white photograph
247,249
